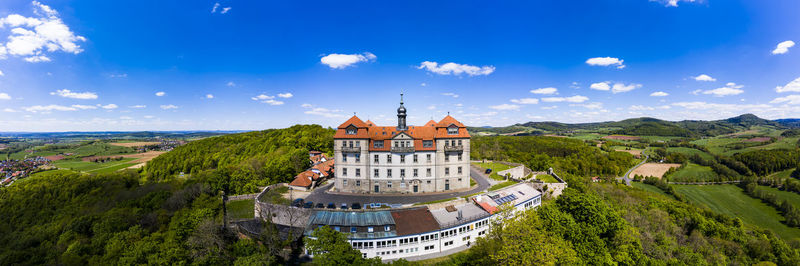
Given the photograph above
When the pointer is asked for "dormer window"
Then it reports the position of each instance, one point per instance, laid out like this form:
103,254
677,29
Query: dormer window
351,130
452,130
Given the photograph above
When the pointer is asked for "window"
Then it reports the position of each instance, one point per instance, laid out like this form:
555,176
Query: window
344,158
376,173
429,182
389,184
358,157
377,144
459,170
351,130
446,158
344,182
415,172
428,174
459,157
415,158
452,130
427,143
358,144
344,171
447,171
402,172
358,183
358,172
338,229
402,158
459,142
389,173
428,157
370,229
389,158
353,230
376,159
351,144
387,228
344,143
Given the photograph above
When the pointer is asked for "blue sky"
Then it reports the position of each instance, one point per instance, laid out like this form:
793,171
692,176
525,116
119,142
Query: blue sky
101,65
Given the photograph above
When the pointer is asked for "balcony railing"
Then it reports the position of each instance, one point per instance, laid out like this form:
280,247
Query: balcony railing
453,148
351,149
402,149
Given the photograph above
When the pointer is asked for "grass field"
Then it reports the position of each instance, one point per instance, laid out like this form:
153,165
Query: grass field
691,152
97,168
785,143
792,197
714,145
502,185
496,167
693,173
93,149
782,174
241,209
649,188
731,200
547,178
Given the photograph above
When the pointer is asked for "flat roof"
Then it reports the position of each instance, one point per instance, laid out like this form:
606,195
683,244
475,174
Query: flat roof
414,221
366,218
469,212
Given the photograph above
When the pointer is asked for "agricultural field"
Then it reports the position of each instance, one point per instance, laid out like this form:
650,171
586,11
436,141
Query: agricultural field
689,152
496,167
91,149
781,143
131,144
731,200
715,145
92,167
693,173
792,197
653,169
782,174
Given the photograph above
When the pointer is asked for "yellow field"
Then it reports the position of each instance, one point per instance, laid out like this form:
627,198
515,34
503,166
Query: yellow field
653,169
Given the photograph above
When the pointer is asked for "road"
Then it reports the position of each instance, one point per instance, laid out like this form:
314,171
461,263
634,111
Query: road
322,195
626,177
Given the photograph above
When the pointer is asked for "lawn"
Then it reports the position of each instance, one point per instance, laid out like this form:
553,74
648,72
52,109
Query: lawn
731,200
547,178
649,188
275,196
496,167
502,185
693,173
241,209
92,167
690,152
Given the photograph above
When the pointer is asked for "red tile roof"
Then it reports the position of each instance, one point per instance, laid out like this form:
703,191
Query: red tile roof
354,121
301,181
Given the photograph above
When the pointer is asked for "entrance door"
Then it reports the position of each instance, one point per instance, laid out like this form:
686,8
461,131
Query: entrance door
416,188
377,189
447,186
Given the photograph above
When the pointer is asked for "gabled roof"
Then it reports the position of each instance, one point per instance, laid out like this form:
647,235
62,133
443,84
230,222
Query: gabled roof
301,181
355,121
449,120
430,123
370,123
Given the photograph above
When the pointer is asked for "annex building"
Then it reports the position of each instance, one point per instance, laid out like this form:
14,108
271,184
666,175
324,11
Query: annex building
401,159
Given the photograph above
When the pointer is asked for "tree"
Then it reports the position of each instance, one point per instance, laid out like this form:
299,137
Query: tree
330,247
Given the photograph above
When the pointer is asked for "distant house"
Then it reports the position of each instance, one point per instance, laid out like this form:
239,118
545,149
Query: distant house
321,169
596,179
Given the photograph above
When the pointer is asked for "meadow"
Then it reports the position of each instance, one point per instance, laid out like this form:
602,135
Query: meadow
82,150
693,173
92,167
731,200
690,152
241,209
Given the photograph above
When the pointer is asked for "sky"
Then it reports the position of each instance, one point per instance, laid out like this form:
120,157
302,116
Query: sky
251,65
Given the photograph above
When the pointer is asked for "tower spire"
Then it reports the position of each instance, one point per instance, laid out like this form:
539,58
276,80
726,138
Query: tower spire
401,116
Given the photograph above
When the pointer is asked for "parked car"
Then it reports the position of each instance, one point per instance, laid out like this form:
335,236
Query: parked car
344,206
331,205
320,206
298,203
356,206
488,171
308,205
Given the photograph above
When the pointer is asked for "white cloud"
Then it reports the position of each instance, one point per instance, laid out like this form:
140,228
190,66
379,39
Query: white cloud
285,95
423,84
571,99
123,75
641,108
324,112
168,106
793,86
783,47
450,94
4,96
148,116
606,61
225,10
230,84
789,99
616,88
729,89
160,93
209,96
110,106
1,73
704,77
84,107
32,37
549,107
75,95
595,105
673,3
267,99
9,110
456,69
546,91
140,106
48,108
341,61
306,105
659,94
214,9
601,86
432,107
525,101
505,107
720,106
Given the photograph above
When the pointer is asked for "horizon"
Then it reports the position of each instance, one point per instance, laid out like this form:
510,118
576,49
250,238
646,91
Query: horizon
68,66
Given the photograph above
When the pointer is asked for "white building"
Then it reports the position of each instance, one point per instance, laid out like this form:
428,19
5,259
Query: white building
401,159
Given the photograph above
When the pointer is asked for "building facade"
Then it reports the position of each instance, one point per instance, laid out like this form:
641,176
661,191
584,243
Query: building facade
401,159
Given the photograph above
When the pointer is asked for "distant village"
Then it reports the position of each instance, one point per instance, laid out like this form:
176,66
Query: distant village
12,170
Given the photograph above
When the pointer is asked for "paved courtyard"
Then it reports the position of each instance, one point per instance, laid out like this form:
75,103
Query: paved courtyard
323,195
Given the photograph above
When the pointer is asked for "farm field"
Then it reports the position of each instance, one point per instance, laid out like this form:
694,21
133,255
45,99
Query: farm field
92,167
792,197
631,151
784,143
93,149
653,169
690,152
731,200
496,167
134,144
693,173
715,145
782,174
649,188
